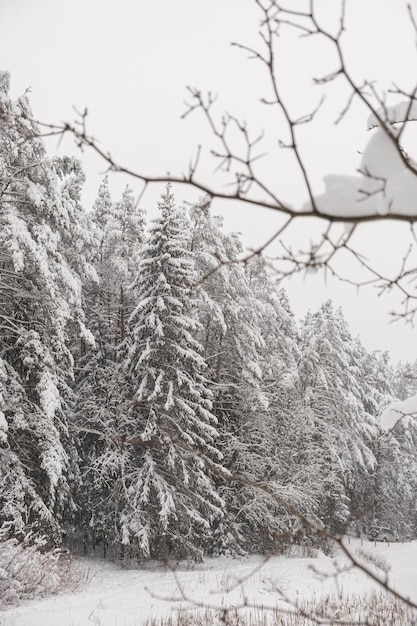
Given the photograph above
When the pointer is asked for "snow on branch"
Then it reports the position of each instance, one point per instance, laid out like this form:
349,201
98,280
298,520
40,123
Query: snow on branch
405,111
397,411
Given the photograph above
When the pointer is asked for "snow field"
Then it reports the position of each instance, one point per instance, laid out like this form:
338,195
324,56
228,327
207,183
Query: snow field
111,596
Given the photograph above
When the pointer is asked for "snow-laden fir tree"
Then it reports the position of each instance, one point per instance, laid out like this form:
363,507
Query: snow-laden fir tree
41,297
282,432
171,502
118,231
404,380
341,430
374,376
250,344
237,320
126,234
394,503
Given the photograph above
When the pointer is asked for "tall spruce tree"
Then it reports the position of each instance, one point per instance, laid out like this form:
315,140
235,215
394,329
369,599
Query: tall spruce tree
404,380
246,334
118,231
284,431
171,503
342,430
396,478
41,298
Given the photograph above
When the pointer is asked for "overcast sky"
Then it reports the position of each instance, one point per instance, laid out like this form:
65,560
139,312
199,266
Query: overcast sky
130,61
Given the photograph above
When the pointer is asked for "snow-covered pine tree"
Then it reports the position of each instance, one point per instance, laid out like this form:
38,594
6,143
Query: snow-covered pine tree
283,430
118,234
396,478
41,297
374,376
393,503
102,209
341,429
243,331
171,502
404,380
119,231
126,234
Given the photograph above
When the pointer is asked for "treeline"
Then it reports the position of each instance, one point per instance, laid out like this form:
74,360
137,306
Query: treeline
149,382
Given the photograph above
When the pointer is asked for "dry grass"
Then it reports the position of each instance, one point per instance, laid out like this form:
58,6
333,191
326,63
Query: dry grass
372,610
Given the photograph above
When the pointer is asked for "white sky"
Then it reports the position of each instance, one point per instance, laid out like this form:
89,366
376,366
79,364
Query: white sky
129,62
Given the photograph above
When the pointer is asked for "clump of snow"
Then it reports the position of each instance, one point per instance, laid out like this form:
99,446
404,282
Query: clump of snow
397,410
50,399
385,184
3,428
35,193
401,112
381,161
401,193
86,334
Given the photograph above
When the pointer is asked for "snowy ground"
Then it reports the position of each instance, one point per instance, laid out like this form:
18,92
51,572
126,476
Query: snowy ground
110,596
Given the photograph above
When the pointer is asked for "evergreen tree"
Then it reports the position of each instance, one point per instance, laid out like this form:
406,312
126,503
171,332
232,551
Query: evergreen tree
342,430
396,483
118,234
250,351
284,455
170,503
41,297
404,380
373,375
395,450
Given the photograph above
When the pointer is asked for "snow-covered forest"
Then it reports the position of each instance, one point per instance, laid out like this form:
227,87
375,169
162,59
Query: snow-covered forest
159,399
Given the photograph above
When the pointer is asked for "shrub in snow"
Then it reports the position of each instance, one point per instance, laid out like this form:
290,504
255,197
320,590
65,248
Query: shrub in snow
31,569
